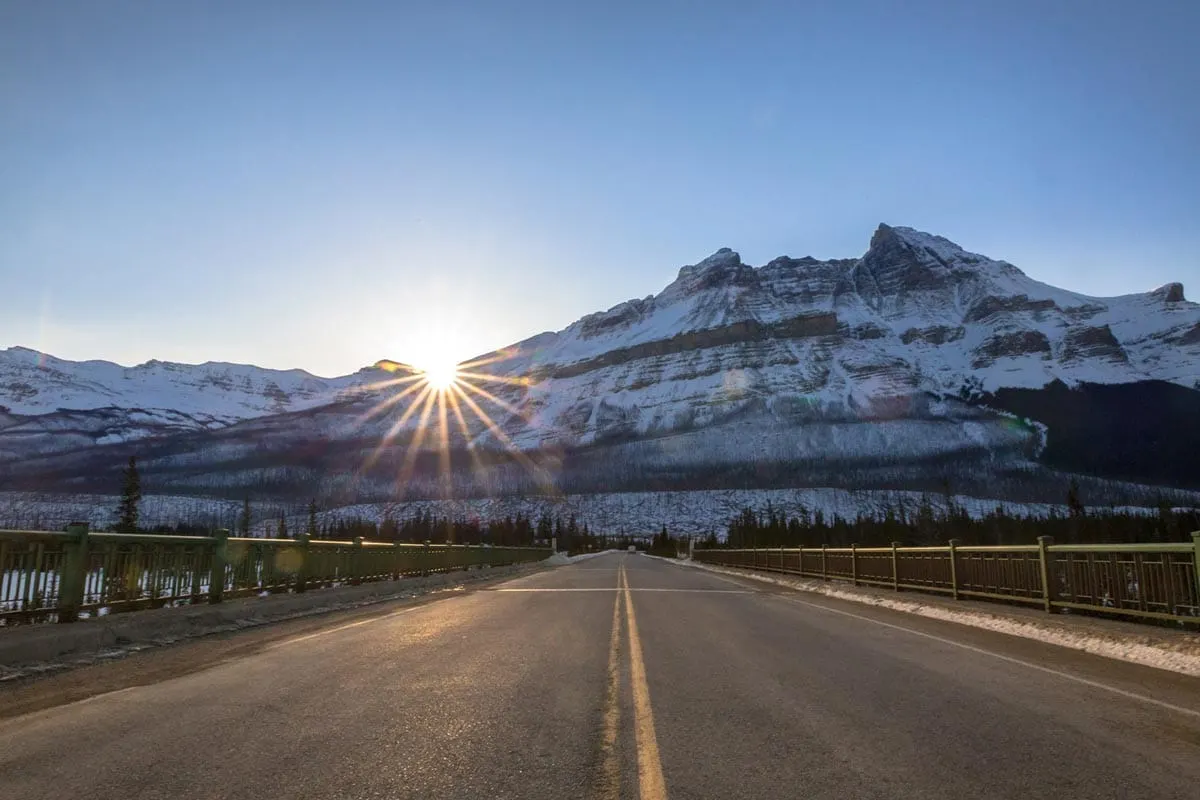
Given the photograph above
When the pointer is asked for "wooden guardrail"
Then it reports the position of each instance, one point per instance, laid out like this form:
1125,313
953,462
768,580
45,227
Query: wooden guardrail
1146,581
49,576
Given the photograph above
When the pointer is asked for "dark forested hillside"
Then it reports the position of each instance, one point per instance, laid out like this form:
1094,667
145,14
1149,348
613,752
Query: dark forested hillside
1147,432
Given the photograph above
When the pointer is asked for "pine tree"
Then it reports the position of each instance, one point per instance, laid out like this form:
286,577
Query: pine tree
131,497
283,531
244,519
1074,504
312,519
545,528
389,531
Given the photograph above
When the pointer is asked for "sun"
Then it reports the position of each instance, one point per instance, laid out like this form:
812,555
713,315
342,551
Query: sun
440,375
430,396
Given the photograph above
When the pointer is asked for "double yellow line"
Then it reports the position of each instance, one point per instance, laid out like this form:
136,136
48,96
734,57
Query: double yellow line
651,785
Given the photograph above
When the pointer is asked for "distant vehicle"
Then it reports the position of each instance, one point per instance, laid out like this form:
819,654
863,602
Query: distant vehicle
633,548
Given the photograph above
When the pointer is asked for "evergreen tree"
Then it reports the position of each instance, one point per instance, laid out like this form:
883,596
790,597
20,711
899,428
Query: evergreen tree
283,531
1074,504
389,531
244,519
545,528
131,498
312,519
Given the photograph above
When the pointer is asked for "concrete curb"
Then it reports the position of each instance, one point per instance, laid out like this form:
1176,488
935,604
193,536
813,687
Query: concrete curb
42,648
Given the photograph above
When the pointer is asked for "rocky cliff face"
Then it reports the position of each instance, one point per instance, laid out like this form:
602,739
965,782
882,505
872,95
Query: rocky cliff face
915,314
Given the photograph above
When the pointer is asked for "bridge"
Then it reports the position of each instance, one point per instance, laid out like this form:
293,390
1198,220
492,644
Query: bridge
619,676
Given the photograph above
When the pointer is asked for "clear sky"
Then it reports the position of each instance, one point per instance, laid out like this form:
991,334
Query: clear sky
322,185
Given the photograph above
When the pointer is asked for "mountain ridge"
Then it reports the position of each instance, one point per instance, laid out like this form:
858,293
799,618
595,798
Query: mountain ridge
892,355
899,262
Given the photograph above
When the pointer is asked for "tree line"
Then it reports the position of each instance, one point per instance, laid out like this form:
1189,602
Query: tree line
924,523
927,525
511,531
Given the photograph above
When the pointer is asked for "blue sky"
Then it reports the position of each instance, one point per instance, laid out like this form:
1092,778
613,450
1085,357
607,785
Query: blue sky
321,185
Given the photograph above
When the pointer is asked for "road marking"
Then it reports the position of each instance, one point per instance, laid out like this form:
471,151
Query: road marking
609,589
722,578
1049,671
696,591
306,637
610,770
651,785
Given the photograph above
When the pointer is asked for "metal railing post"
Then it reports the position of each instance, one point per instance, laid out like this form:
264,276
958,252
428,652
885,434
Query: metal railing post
824,568
356,562
854,563
74,572
302,568
398,557
197,581
954,568
1044,543
895,567
425,558
1196,560
220,557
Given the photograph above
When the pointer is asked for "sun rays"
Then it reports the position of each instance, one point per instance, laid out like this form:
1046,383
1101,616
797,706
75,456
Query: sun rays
423,400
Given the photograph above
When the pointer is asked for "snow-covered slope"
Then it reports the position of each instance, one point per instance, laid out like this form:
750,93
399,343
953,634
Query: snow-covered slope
35,383
916,314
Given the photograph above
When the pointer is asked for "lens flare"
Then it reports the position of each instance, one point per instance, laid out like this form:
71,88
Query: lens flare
427,401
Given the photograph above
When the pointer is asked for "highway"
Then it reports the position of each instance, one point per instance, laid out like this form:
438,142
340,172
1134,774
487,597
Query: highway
621,676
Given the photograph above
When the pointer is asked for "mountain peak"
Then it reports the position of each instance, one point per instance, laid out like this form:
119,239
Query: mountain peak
939,247
725,255
1170,293
903,259
723,267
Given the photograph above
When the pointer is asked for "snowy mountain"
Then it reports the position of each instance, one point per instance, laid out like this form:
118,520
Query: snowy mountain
34,383
917,353
915,314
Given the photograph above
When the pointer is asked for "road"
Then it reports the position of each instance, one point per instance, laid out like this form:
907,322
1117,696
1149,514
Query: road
621,676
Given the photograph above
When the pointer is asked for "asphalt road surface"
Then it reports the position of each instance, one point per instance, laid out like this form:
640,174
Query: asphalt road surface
621,676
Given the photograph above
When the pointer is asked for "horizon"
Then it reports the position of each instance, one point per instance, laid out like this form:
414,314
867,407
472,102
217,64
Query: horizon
328,187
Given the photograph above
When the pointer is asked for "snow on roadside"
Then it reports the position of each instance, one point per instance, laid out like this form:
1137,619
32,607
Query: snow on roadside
562,559
1176,652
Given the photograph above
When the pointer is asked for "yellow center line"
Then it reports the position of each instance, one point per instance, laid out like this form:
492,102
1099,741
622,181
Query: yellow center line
651,785
610,770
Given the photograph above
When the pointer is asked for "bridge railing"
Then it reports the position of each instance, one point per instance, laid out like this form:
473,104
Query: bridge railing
59,577
1146,581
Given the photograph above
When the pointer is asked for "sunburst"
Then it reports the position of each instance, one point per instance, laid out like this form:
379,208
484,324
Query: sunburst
431,394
